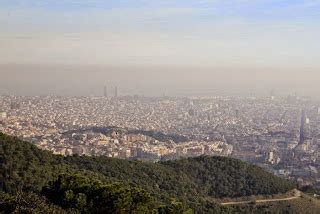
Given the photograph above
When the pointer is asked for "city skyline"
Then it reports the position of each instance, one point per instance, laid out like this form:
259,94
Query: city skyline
159,106
88,80
280,134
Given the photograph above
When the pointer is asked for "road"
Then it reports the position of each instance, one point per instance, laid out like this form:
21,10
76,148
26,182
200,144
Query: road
297,194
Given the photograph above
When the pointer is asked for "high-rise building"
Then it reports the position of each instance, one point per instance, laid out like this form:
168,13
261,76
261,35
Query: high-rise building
116,91
105,92
272,94
302,127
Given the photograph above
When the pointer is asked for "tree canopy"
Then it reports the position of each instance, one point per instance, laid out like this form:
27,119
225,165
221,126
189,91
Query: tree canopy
123,186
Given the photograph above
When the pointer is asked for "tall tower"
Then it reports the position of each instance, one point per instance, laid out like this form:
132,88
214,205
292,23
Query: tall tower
105,92
272,94
116,91
302,127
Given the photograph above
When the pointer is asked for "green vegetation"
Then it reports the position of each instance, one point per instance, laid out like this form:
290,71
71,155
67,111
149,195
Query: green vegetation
90,184
80,194
28,203
91,196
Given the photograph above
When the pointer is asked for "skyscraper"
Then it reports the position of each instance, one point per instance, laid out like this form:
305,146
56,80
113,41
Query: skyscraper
302,127
272,94
105,92
116,91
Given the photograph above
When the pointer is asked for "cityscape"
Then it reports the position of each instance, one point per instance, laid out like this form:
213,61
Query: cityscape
159,107
280,134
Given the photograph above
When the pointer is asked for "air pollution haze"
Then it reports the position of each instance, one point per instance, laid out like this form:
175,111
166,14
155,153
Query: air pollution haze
89,80
151,48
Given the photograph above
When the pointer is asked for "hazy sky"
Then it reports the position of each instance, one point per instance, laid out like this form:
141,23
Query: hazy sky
160,46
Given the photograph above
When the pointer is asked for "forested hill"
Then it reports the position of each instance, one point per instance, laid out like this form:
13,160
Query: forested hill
191,181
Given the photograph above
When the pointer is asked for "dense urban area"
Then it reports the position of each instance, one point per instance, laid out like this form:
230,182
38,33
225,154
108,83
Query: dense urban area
281,134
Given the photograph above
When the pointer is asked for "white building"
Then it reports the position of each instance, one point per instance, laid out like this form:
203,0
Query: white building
3,115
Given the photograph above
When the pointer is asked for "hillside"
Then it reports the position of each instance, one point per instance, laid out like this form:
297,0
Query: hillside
191,181
305,205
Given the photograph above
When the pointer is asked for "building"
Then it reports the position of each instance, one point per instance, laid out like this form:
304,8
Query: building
3,115
302,127
272,158
307,121
105,92
116,92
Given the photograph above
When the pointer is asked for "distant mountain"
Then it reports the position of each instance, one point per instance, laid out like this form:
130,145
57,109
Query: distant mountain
90,184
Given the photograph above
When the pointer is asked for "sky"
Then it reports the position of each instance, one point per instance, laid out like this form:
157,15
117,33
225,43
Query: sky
151,47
